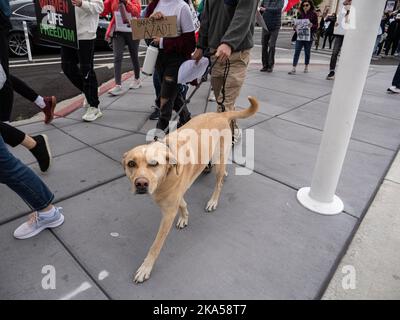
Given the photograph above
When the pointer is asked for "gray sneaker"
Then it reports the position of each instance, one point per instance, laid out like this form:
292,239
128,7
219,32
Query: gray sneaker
38,223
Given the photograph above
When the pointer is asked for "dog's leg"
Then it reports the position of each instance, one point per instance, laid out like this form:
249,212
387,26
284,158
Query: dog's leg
183,215
143,273
220,170
213,202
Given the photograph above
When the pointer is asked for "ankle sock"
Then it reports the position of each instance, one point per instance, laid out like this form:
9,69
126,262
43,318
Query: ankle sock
48,213
40,102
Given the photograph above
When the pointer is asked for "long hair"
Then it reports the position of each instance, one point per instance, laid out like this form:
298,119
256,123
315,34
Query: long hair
312,6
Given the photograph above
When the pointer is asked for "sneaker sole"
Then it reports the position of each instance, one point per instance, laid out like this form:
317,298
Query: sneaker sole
48,226
46,141
86,120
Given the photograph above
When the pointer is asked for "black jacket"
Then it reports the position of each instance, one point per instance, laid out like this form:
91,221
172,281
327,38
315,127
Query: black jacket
394,30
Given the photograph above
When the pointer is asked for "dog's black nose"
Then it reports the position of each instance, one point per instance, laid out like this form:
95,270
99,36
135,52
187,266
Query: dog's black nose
141,185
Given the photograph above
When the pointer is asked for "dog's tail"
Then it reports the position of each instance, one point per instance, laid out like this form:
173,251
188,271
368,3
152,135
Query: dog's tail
231,115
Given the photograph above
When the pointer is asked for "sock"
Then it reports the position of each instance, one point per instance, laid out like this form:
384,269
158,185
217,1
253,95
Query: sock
40,102
48,213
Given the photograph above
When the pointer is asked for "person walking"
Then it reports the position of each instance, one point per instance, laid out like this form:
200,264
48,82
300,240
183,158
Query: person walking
343,21
173,51
227,29
121,35
272,15
84,77
305,35
393,36
395,88
329,26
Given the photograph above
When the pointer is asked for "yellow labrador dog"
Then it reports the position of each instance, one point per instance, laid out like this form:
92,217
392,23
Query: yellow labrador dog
167,168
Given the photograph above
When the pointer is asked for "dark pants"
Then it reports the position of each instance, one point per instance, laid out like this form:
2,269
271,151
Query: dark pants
307,51
391,43
396,79
21,179
329,37
23,89
268,40
82,77
6,93
11,135
120,39
336,50
167,68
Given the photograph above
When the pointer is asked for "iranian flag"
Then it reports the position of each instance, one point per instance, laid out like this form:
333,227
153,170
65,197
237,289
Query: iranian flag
289,4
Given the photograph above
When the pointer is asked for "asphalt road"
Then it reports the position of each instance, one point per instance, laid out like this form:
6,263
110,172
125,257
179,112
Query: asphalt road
44,75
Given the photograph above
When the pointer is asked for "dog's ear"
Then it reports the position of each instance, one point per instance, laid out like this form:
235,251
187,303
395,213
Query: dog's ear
171,159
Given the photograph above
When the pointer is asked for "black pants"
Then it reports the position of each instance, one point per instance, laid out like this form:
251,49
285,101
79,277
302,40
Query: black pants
12,136
396,78
82,77
336,50
167,67
268,47
391,43
23,89
6,93
329,37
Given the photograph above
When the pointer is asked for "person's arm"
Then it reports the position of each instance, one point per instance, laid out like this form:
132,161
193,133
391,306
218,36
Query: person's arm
242,20
202,42
107,8
133,7
92,6
314,21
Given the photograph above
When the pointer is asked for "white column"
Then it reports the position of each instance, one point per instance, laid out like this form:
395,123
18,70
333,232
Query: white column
346,96
28,43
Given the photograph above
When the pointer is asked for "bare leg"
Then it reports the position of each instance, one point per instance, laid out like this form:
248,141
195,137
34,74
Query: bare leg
143,273
183,215
28,142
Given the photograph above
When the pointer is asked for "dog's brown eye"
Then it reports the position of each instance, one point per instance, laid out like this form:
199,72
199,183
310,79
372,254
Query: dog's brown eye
131,164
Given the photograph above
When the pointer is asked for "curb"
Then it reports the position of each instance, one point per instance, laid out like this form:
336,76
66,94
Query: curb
68,106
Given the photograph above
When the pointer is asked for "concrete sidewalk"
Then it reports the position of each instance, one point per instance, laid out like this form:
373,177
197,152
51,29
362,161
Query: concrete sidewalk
259,244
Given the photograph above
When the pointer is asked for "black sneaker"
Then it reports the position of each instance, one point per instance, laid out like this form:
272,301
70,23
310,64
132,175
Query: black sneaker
264,69
331,75
42,152
156,114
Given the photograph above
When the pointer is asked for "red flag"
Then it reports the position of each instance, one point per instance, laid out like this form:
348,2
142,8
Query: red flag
290,4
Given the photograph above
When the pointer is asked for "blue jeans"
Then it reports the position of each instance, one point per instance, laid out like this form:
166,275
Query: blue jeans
20,178
307,51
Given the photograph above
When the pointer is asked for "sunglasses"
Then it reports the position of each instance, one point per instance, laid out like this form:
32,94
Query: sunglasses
306,5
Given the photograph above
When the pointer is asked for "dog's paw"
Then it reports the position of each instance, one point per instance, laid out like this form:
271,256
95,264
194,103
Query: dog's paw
143,273
211,205
182,222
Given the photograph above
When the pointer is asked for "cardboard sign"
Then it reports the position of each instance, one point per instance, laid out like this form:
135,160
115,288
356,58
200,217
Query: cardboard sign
56,22
148,28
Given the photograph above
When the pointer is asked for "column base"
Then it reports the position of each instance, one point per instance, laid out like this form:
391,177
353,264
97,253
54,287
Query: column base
325,208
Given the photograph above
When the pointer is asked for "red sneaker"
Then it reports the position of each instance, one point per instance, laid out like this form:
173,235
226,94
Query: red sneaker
48,110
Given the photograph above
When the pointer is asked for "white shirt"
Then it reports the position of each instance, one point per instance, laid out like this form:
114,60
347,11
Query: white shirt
181,10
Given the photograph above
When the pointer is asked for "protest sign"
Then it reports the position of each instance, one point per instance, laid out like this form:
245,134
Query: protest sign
56,22
303,29
148,28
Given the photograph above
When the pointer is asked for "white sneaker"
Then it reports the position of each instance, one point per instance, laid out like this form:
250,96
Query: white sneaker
116,91
211,97
37,223
135,84
92,114
393,89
